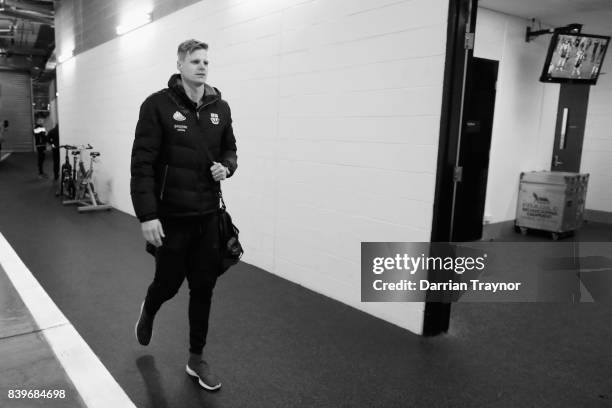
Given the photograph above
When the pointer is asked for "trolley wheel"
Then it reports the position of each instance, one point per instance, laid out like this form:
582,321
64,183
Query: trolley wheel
555,236
523,230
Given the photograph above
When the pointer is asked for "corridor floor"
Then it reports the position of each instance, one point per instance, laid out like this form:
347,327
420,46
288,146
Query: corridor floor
277,344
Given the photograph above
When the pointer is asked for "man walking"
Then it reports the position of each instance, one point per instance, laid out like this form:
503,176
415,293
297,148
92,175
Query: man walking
174,189
53,140
3,134
40,140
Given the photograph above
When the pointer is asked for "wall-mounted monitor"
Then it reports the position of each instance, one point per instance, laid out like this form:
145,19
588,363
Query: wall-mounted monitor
575,58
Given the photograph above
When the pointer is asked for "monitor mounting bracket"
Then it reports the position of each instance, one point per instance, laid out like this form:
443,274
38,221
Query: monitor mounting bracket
568,29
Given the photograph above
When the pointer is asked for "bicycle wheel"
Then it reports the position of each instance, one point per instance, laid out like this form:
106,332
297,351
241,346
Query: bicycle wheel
71,189
64,183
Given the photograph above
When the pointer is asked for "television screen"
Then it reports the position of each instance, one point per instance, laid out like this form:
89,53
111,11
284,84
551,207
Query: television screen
574,58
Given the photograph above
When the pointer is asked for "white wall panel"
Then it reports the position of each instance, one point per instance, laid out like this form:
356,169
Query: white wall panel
336,108
525,116
525,109
597,149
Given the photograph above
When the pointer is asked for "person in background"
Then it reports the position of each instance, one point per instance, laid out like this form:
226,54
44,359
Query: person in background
53,140
174,189
40,140
3,133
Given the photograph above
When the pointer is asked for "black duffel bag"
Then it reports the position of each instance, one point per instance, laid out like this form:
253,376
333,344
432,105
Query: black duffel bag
229,246
231,250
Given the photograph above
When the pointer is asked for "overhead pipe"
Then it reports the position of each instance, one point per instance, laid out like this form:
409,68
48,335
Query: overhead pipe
38,18
11,11
32,5
27,51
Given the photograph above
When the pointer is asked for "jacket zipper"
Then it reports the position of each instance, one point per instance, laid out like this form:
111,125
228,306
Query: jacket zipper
161,194
197,112
198,118
203,106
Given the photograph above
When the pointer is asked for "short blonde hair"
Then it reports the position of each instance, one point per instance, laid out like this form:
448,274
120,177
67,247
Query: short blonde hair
189,46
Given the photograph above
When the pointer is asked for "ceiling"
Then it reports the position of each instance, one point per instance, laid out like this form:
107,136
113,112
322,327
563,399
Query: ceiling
27,37
595,15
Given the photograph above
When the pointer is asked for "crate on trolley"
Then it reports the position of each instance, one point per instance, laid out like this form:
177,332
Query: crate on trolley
551,201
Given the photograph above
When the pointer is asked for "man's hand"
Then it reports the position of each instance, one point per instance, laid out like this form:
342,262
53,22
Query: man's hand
153,232
219,172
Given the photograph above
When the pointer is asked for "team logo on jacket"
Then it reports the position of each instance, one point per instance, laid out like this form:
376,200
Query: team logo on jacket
214,118
178,116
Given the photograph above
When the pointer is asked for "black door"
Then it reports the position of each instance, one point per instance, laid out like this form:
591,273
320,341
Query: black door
569,131
473,164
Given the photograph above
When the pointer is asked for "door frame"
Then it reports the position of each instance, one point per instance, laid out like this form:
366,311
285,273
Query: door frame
461,20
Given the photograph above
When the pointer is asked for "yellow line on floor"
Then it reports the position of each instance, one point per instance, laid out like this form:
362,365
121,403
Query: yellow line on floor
95,385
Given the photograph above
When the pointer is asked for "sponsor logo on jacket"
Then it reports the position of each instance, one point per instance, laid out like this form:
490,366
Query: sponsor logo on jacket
178,116
214,118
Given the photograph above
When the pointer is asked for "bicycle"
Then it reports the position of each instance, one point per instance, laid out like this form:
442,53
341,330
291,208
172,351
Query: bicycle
66,184
80,173
71,182
85,194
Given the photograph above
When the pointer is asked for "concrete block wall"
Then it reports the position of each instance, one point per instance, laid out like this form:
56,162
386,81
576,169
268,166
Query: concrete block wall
336,108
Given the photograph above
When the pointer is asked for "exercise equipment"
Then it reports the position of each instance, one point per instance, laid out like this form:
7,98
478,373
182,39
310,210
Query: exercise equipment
66,184
85,195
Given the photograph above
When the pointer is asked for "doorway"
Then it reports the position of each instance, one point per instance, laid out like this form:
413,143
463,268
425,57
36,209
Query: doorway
475,144
569,129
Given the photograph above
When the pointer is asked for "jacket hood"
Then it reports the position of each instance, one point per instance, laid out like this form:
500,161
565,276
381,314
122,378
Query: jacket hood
176,84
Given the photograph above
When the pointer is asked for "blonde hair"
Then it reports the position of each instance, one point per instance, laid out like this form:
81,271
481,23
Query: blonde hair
189,46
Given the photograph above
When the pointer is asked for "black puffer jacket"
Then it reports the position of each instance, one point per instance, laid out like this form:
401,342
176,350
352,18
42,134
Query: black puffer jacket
170,168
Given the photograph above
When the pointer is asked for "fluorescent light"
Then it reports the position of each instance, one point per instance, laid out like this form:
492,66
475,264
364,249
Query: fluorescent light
65,57
132,22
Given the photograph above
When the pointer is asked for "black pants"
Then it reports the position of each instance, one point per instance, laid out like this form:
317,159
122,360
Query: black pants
56,162
41,158
190,249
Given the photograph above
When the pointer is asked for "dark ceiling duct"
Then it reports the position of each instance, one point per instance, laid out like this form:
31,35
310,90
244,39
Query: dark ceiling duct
32,5
11,9
27,51
15,63
31,52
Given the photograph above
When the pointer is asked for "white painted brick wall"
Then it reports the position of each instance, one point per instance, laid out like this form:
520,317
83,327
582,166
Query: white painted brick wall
525,109
526,112
336,108
597,148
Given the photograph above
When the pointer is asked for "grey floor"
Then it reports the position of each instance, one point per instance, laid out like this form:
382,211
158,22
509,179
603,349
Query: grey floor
275,344
27,360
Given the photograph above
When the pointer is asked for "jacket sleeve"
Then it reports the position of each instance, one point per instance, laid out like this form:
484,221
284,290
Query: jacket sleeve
145,152
228,146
